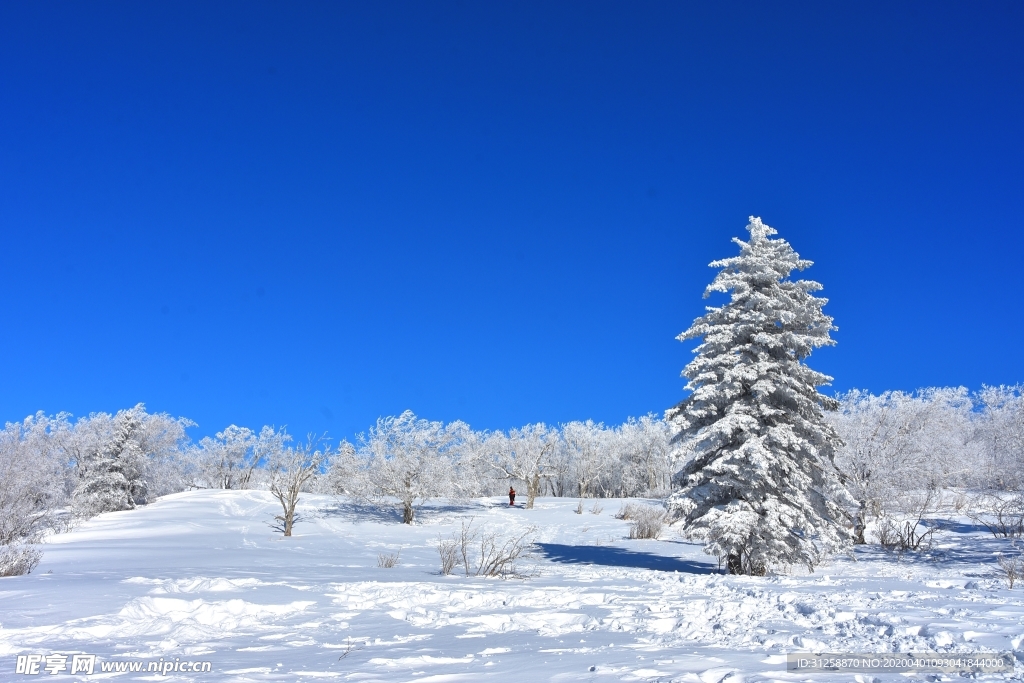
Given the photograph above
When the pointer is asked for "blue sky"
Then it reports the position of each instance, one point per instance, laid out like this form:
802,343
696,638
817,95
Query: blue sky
312,215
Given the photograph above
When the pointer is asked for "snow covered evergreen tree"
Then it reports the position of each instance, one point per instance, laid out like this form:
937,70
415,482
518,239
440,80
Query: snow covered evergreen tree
760,489
112,474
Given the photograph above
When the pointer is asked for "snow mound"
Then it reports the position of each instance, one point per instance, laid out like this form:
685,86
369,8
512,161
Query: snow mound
195,585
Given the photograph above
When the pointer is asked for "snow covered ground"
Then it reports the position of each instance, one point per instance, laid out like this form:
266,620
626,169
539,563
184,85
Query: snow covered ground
200,576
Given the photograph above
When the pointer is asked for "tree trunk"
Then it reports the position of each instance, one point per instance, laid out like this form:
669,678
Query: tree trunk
735,564
407,513
532,490
859,524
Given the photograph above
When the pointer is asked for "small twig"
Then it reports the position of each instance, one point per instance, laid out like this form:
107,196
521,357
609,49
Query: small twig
349,648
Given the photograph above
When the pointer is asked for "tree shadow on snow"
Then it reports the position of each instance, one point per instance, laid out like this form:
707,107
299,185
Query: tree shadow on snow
362,512
957,527
389,513
610,556
948,547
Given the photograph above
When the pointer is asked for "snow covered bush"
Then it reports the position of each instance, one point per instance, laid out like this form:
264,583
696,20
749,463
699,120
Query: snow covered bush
448,550
906,527
1011,565
18,559
761,488
628,511
31,492
388,560
647,521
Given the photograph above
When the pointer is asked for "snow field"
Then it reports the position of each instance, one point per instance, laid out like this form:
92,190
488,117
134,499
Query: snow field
201,575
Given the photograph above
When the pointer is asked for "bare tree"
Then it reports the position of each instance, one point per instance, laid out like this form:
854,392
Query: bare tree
290,469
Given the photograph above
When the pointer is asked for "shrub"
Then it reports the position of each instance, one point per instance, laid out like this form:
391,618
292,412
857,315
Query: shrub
1002,516
908,531
387,560
647,521
628,511
1012,567
18,558
448,549
494,555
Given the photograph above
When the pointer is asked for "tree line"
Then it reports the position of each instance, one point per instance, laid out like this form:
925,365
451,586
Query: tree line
54,469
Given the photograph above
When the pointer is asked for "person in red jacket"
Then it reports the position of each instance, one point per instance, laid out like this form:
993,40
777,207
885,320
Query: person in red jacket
511,496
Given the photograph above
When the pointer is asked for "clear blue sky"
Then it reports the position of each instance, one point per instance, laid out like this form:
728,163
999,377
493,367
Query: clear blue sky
313,214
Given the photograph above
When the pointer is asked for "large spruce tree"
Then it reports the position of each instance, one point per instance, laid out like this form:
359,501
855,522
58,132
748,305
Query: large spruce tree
760,489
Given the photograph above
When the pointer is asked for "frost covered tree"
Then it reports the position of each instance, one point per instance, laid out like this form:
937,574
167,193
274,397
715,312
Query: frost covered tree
524,455
225,460
290,470
1002,436
588,445
414,460
900,443
345,475
112,476
164,442
31,481
233,458
760,489
114,462
644,456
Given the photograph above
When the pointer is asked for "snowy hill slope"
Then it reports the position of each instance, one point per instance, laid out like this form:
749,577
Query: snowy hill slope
200,576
